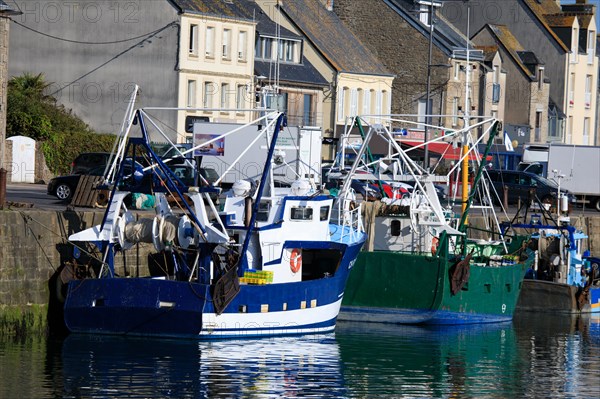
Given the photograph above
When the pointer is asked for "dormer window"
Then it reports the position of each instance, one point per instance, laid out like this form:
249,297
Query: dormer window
591,46
540,77
424,10
269,48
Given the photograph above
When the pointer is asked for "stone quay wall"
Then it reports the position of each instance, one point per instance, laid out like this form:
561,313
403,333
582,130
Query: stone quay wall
33,246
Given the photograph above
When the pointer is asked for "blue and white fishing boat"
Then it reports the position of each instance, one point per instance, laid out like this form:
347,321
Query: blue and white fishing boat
271,262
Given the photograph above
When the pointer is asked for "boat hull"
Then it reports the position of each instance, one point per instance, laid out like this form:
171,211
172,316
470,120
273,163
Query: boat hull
548,296
393,287
167,308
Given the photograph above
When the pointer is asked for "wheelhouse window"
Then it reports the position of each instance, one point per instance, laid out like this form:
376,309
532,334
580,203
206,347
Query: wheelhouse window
324,213
301,213
264,208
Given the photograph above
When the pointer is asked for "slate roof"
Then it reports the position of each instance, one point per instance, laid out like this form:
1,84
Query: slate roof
541,9
560,20
303,73
214,8
6,7
446,36
524,59
336,43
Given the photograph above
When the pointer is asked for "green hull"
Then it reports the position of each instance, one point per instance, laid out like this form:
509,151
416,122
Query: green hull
394,287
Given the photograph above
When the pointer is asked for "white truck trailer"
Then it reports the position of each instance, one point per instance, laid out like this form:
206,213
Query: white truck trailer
297,154
577,166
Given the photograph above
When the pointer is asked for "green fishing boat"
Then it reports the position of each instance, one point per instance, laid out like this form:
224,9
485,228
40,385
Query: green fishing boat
419,265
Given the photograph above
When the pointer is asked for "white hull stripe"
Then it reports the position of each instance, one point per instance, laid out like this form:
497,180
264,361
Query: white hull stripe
269,322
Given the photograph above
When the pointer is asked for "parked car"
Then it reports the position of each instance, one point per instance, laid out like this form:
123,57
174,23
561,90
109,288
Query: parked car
368,190
87,161
519,183
63,187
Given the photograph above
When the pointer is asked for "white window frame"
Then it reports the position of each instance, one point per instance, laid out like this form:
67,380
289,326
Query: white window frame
226,44
456,70
570,131
455,101
591,46
588,91
367,102
572,90
191,93
586,131
242,46
261,52
421,114
224,95
353,102
209,42
207,95
193,42
378,102
575,46
340,103
240,100
387,103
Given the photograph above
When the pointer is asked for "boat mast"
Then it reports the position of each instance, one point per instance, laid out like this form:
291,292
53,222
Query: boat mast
465,147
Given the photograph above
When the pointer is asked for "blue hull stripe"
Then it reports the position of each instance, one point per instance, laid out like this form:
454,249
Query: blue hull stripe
415,316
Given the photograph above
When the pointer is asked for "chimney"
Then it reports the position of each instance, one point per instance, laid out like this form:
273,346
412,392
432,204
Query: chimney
328,4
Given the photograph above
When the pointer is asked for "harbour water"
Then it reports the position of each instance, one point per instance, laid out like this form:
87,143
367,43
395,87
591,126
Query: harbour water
535,356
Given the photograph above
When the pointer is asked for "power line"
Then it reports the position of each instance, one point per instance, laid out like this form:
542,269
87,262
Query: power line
82,42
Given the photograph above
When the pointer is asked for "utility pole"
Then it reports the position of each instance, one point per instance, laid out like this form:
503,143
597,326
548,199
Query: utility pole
5,13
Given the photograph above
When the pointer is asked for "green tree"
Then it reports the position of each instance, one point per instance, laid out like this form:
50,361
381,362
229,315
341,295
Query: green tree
26,108
33,113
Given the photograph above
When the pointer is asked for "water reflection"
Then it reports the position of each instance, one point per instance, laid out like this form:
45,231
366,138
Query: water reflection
405,361
142,368
535,356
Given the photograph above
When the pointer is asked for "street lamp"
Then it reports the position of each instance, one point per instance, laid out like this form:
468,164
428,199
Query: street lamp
5,13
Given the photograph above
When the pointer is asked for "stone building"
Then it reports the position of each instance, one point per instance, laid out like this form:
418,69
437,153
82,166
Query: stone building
563,38
519,90
398,32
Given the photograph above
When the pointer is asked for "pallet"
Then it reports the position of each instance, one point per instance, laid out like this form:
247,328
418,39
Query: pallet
86,194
